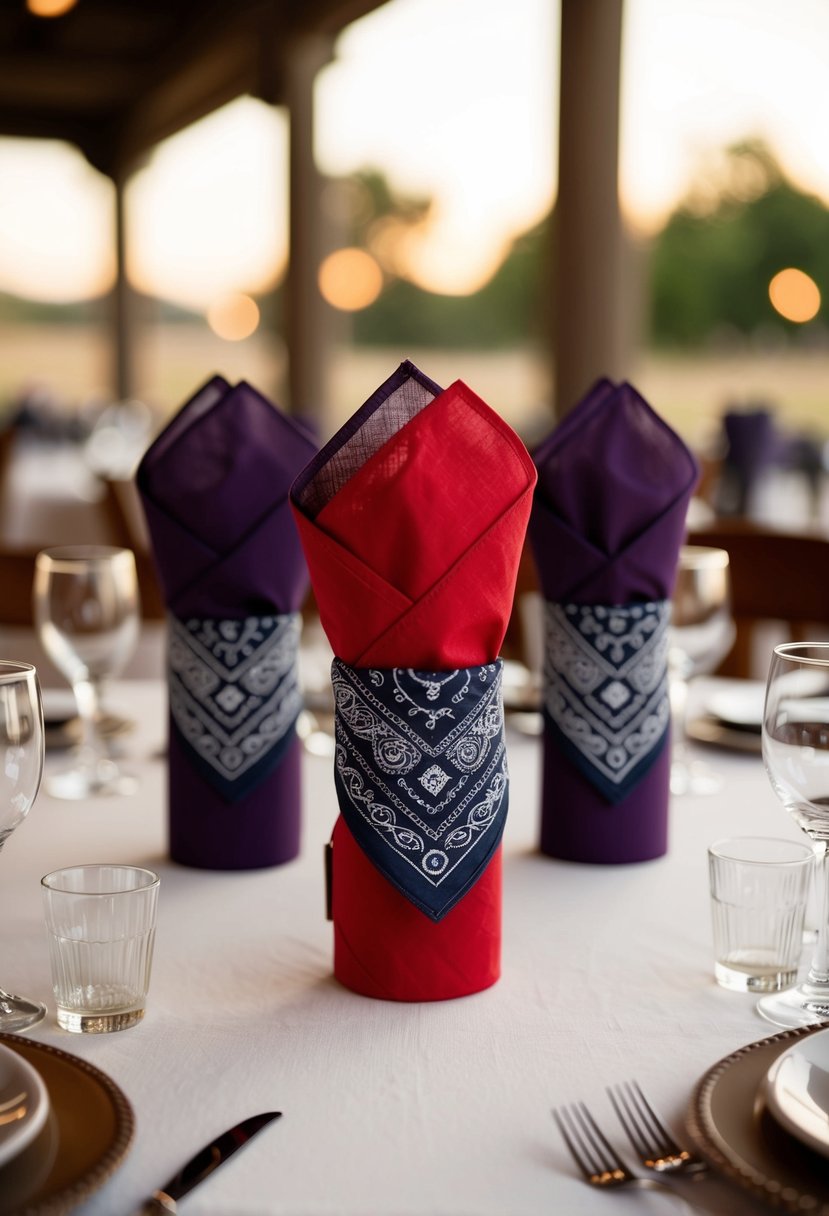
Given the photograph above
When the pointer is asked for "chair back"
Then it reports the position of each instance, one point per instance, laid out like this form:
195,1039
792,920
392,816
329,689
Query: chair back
776,576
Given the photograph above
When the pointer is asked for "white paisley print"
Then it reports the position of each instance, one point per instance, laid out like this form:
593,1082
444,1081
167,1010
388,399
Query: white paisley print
606,684
233,687
421,771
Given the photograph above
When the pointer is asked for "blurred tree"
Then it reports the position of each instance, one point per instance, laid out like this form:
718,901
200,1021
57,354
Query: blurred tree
712,264
505,311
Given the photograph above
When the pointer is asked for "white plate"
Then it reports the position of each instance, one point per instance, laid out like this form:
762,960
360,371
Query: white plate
24,1104
738,707
796,1090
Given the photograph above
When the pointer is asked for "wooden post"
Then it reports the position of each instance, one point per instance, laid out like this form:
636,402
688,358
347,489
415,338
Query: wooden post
589,331
123,304
308,342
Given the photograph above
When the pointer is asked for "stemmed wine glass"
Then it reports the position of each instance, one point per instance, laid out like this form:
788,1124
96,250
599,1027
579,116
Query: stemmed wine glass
700,635
796,756
86,613
21,767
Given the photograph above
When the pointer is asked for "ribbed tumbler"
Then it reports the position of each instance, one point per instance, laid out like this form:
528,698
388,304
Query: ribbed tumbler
759,890
100,921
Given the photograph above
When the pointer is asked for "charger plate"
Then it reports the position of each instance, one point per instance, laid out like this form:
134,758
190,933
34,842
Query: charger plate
713,731
85,1138
732,1128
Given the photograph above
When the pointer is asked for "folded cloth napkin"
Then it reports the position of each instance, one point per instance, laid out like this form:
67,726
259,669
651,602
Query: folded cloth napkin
608,521
752,449
413,518
214,485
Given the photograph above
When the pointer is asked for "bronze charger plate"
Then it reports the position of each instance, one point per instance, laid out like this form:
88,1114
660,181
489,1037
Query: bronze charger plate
86,1136
730,1125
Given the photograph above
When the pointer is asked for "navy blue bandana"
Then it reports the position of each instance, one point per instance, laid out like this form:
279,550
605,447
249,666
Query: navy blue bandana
234,695
606,689
421,774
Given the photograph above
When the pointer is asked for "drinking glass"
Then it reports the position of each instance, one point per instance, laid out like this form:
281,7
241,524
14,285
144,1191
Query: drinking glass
86,613
100,921
796,755
21,767
700,636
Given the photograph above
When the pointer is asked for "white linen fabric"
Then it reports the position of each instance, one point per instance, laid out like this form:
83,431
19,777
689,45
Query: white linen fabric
394,1109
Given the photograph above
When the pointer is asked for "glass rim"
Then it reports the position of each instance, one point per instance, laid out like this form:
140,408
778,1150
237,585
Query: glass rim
794,651
702,555
10,670
718,850
70,555
50,885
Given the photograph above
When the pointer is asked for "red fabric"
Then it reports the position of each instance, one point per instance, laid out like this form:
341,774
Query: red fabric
413,563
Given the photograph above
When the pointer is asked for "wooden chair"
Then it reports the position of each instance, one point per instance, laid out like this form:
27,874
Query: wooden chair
776,576
126,523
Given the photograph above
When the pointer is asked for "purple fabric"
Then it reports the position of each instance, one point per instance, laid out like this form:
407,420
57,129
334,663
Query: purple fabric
753,448
753,442
214,486
608,521
206,832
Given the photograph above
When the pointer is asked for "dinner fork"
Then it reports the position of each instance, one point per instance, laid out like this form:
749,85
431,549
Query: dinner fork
596,1158
653,1144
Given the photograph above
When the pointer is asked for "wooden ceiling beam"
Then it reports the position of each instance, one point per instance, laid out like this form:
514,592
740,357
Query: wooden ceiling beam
50,81
118,106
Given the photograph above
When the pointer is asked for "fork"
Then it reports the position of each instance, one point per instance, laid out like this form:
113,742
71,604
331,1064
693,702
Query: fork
596,1158
653,1144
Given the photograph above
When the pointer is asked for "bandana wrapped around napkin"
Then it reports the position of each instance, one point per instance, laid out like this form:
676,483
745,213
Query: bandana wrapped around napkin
607,524
214,486
412,518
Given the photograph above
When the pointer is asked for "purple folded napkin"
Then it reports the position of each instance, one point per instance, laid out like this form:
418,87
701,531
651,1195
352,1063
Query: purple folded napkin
607,524
214,486
753,448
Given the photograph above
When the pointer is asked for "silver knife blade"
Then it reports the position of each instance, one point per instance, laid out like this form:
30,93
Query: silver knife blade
204,1163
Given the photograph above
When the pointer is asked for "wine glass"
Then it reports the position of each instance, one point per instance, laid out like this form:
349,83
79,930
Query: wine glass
796,755
21,767
86,613
699,637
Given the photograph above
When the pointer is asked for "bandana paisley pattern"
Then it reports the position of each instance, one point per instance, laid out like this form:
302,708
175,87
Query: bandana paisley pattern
421,774
606,688
234,695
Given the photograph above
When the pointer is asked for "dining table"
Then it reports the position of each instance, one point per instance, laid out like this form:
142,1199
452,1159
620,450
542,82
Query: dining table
395,1109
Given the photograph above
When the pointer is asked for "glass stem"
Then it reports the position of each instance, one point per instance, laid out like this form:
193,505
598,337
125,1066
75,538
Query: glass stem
819,969
87,696
678,696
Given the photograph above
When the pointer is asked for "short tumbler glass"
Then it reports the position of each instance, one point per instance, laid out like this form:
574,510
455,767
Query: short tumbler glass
100,921
759,890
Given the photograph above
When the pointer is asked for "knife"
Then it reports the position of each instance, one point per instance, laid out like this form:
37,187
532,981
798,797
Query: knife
163,1202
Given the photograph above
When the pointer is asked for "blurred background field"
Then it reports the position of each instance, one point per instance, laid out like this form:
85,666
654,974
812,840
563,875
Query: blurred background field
435,208
689,388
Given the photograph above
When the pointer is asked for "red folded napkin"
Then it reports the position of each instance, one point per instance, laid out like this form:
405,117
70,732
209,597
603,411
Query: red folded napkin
413,519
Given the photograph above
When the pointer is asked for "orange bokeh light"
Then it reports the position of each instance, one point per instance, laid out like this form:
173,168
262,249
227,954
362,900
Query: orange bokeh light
49,8
350,279
794,295
233,317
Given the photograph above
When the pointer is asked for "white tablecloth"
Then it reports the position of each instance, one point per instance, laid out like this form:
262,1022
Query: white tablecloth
394,1110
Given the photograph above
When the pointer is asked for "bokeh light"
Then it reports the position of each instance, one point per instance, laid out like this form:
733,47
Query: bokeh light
350,279
50,8
233,317
794,295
